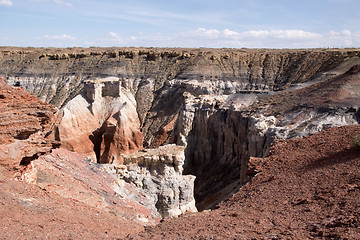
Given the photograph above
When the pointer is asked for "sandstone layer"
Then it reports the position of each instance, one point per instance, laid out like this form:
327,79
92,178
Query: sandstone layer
25,122
101,122
196,98
57,75
157,173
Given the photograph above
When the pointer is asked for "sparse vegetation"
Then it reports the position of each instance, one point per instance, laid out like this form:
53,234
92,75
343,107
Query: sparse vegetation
356,142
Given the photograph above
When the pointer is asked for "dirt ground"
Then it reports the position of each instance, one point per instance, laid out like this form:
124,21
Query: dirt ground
71,199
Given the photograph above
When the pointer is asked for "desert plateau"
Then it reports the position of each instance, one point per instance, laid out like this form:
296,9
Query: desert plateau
179,143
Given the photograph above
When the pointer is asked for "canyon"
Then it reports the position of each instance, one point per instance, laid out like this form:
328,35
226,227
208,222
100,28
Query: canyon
174,128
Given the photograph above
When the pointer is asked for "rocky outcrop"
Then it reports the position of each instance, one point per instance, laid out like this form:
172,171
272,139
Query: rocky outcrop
101,122
73,176
157,174
331,103
75,198
25,126
222,105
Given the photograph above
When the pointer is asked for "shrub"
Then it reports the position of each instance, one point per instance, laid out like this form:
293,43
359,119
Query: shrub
356,142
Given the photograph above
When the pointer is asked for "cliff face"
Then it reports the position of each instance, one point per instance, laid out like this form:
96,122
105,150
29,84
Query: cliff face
222,105
158,174
56,75
101,122
224,134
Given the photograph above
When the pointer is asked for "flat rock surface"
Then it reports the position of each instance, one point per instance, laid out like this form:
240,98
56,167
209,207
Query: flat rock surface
307,188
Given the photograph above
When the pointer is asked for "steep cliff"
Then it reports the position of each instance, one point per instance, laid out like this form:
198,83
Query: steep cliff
101,122
56,75
158,174
225,134
222,105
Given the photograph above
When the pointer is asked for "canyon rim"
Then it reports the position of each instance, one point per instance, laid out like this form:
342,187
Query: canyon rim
144,134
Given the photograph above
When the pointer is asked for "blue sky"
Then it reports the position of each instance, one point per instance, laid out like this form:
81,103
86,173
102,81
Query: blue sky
196,23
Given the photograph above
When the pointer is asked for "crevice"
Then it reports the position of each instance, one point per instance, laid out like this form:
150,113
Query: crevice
97,138
216,154
27,160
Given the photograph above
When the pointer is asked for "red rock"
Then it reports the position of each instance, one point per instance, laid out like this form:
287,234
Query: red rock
71,198
308,188
102,122
25,122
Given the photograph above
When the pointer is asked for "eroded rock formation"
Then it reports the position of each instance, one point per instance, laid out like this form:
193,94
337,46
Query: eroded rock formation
43,186
56,75
101,122
25,124
308,188
222,140
157,173
222,105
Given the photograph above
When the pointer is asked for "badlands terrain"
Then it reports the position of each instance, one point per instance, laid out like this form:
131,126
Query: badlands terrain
147,143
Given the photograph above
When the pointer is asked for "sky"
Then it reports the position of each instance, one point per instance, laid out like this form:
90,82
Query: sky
185,23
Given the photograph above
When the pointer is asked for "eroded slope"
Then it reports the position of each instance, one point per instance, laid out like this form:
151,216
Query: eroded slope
221,106
52,193
196,98
307,188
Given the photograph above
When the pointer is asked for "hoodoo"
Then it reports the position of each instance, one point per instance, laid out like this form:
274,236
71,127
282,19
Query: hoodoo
101,122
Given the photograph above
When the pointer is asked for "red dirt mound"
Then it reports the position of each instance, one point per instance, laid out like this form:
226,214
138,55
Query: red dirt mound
307,188
71,199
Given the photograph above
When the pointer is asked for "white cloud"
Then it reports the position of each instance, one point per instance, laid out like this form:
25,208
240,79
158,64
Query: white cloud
256,33
230,33
61,2
113,34
59,37
212,33
202,37
253,38
344,38
281,34
339,34
7,3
